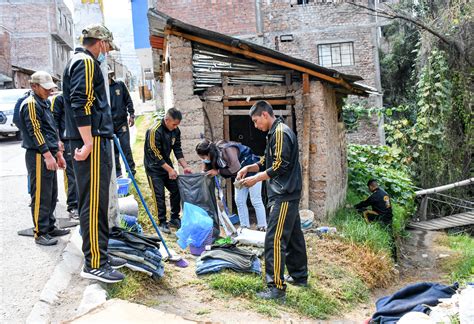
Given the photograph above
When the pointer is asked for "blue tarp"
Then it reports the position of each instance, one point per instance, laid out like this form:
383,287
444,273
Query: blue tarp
412,298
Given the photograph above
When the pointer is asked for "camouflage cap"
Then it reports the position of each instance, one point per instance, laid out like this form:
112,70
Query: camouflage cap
99,31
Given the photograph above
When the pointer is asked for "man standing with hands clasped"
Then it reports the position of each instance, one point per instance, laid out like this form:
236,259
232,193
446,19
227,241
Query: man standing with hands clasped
43,157
280,167
89,128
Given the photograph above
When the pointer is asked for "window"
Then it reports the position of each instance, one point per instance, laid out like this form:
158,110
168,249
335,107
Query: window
336,54
300,2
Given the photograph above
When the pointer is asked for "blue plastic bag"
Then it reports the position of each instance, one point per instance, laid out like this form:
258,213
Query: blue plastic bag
196,225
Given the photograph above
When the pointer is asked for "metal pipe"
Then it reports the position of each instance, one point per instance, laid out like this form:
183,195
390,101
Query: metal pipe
445,187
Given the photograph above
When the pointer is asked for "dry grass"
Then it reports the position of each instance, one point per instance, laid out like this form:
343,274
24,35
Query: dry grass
374,269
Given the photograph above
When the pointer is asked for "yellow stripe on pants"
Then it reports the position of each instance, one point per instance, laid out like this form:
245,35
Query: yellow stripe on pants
37,193
277,244
94,204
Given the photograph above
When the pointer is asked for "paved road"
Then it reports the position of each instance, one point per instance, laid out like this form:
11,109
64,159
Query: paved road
24,266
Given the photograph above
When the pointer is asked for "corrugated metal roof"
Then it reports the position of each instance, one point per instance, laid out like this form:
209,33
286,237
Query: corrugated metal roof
457,220
159,21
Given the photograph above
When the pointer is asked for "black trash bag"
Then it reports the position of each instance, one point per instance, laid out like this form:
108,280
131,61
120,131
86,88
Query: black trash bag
200,190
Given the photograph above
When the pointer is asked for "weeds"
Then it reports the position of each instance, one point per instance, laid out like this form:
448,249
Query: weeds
461,267
354,229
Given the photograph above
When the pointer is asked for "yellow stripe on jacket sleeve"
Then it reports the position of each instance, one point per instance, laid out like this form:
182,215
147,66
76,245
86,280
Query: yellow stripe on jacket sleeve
153,147
35,122
89,69
279,147
52,103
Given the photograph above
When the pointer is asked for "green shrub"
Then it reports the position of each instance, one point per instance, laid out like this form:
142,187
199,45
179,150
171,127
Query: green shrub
383,164
463,268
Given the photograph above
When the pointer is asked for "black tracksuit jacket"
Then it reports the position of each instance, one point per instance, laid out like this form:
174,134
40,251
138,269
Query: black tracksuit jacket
121,104
380,203
281,161
159,143
37,125
85,98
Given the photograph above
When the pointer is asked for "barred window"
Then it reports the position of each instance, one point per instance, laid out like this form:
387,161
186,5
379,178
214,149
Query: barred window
336,54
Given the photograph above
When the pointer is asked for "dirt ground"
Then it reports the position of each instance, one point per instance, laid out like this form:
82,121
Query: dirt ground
183,293
420,260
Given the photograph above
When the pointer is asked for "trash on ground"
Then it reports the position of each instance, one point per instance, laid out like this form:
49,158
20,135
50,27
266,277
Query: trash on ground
250,237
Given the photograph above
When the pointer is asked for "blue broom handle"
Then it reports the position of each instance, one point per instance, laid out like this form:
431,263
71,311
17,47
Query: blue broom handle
130,174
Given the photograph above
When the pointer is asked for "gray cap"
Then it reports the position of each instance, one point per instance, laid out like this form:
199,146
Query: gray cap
99,31
44,79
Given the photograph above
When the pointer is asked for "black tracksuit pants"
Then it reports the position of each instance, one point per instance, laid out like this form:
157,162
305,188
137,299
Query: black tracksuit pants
284,244
93,181
158,183
123,135
69,179
43,191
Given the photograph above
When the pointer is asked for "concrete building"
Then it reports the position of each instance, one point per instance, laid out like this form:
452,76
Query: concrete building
330,33
86,12
41,37
214,79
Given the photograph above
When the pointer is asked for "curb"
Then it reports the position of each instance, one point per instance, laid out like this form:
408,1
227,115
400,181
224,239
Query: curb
70,265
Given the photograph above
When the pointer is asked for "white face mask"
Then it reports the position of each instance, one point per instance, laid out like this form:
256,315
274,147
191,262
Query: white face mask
206,161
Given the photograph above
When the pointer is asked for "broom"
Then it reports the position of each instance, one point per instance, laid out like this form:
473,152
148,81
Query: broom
176,259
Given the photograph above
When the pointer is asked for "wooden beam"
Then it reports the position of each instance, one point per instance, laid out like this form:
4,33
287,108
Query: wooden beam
261,57
305,83
306,150
244,103
245,112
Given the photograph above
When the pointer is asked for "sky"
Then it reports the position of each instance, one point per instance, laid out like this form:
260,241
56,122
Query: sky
118,18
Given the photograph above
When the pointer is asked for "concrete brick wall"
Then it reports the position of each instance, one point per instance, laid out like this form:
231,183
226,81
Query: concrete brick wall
178,93
32,25
232,17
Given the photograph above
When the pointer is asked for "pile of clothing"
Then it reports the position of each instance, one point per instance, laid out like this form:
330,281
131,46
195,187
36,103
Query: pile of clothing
228,256
142,252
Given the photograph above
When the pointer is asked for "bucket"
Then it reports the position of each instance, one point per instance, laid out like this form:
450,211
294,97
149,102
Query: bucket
197,251
123,186
307,218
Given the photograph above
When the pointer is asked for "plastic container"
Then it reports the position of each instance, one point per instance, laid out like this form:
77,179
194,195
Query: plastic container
307,218
197,251
123,186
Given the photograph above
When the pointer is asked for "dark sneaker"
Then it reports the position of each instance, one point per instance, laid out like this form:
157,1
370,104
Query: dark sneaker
59,232
175,222
105,274
164,228
46,240
273,293
116,262
300,283
73,213
261,228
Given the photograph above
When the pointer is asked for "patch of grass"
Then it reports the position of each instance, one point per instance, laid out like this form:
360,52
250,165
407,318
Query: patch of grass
354,229
461,267
135,287
313,301
317,301
203,311
235,284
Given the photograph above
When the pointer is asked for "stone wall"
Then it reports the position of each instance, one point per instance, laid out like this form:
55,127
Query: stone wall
178,93
328,162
